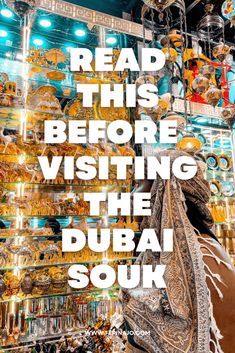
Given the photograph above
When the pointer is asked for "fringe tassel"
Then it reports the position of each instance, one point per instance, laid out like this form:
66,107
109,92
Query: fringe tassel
220,294
214,275
217,350
215,244
214,328
216,258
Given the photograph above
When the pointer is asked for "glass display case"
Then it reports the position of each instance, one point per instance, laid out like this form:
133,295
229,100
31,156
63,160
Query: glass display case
218,153
37,304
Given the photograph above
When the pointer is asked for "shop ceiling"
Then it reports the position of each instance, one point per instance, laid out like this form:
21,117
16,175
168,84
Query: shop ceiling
194,10
62,30
111,7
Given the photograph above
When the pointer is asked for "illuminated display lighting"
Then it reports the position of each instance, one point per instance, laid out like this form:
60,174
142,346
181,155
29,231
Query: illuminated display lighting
3,33
45,23
6,13
38,42
111,40
80,32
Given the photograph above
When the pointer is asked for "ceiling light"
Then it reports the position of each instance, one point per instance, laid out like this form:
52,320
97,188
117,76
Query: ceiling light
45,23
38,42
3,33
6,13
80,32
111,40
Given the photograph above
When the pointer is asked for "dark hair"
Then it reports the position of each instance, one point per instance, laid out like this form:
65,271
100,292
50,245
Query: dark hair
200,157
2,225
53,224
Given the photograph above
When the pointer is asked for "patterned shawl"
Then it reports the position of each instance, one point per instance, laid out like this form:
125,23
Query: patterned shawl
177,317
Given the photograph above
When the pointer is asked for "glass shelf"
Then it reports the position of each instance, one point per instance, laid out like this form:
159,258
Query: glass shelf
30,340
220,150
227,237
208,122
19,155
40,222
219,176
220,173
39,72
38,237
12,116
58,216
65,89
43,185
60,86
225,222
70,76
54,294
61,264
221,198
14,124
42,237
14,113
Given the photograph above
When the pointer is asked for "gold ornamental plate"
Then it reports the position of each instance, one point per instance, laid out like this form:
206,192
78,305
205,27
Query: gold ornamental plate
55,56
189,144
55,75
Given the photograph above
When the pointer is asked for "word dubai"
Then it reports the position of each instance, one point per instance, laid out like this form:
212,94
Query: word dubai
103,275
152,59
